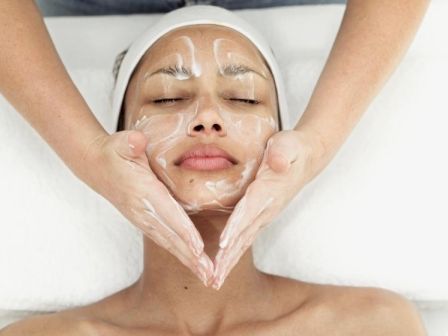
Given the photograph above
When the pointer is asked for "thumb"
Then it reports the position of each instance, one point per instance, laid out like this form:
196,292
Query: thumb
280,156
133,144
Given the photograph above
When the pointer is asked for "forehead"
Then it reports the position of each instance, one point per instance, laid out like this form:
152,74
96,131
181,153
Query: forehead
206,39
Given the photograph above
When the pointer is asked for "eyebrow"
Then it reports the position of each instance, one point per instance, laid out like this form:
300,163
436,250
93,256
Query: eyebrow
238,69
172,70
229,70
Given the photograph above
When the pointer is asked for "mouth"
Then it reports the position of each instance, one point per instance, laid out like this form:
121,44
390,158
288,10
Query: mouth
205,157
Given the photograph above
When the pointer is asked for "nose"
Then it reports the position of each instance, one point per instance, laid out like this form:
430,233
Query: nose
207,121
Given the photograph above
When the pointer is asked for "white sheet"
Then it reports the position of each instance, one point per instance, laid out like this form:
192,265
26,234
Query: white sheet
376,216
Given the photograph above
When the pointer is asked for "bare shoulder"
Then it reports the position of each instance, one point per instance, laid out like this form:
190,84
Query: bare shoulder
62,323
368,311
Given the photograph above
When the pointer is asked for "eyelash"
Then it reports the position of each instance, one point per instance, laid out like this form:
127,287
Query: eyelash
165,100
172,100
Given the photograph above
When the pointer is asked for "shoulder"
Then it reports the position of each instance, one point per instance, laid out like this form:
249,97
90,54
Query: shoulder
54,324
368,311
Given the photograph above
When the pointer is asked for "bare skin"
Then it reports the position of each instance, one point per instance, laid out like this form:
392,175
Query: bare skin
168,299
299,308
372,39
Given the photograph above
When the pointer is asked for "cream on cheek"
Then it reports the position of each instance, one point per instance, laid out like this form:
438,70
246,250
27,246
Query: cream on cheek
167,130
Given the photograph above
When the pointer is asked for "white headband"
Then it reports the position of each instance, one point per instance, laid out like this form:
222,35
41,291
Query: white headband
191,15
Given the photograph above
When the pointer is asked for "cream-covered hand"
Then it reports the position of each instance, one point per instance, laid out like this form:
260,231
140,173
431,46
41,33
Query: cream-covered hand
285,169
119,170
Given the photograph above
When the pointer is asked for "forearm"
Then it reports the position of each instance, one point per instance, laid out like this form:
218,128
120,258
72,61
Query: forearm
372,39
34,80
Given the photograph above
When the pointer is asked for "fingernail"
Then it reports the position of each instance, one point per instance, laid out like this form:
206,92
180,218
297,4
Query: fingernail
198,245
196,251
201,275
203,270
223,243
203,262
211,267
204,277
215,286
193,248
221,278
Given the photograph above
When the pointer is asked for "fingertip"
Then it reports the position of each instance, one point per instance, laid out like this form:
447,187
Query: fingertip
136,142
278,163
223,243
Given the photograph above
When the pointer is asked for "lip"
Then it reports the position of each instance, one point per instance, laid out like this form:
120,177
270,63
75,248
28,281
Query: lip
205,157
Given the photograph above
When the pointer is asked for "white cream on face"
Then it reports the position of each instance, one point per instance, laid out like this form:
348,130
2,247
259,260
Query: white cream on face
166,131
195,66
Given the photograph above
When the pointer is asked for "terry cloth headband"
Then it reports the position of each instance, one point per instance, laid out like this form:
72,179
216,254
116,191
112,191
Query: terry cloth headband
193,15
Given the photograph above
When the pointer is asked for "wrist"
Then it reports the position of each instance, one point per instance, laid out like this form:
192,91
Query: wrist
87,154
320,154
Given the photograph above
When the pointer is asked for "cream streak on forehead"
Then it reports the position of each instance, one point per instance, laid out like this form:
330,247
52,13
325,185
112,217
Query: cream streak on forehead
195,66
224,52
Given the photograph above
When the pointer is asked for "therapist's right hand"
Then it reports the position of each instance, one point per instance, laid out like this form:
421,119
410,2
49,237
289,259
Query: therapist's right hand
119,170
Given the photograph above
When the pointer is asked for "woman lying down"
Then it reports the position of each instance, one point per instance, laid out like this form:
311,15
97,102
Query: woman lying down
202,82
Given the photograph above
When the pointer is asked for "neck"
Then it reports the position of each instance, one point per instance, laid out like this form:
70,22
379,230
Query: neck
169,290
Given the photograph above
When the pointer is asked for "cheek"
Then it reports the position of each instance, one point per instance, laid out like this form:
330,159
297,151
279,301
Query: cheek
164,133
247,133
250,131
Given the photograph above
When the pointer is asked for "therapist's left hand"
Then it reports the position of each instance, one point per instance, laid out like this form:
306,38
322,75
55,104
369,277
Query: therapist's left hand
288,164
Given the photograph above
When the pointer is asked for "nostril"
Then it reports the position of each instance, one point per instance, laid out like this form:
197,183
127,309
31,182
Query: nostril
198,128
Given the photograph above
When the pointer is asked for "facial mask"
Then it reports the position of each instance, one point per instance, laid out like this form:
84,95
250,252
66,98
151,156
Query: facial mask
171,127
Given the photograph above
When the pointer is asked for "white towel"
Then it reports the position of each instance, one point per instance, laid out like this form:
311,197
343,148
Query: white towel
375,216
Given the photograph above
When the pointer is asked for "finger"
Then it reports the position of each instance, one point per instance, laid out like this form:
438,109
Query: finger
131,144
160,240
235,220
244,216
282,151
195,235
186,248
228,263
264,166
171,214
137,143
174,244
278,162
244,240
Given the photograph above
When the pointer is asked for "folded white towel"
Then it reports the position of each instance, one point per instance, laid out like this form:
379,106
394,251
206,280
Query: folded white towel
375,216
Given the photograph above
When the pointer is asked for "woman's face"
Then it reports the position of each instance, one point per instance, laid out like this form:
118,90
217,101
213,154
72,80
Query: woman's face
207,103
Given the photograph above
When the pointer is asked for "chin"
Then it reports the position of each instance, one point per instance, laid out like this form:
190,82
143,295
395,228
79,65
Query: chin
197,197
201,190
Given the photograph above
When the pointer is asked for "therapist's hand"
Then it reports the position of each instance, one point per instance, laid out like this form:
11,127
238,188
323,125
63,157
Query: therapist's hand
286,167
119,170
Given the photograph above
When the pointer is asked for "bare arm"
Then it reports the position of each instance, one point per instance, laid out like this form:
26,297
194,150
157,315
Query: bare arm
373,37
34,80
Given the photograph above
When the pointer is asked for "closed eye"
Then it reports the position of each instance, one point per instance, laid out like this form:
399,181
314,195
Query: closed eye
166,100
246,101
